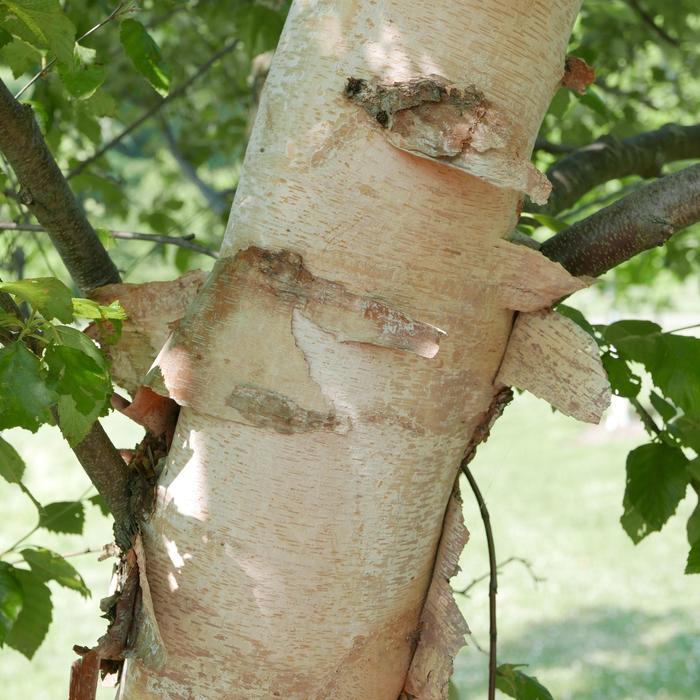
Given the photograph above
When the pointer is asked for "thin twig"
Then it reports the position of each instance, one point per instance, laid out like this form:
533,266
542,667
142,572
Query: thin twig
184,241
117,10
493,577
177,92
649,19
527,564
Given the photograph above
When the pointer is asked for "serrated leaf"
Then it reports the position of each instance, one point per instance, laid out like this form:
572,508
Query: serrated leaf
11,464
49,296
666,410
26,397
621,330
73,373
87,308
20,57
144,53
98,501
694,468
623,381
34,618
687,430
82,80
45,26
693,526
51,566
5,37
63,516
78,371
10,599
656,483
75,425
100,104
516,684
692,566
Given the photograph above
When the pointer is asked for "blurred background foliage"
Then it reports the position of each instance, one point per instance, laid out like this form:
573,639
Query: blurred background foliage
172,101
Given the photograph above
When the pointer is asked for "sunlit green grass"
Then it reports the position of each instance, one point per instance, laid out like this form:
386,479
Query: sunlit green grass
611,621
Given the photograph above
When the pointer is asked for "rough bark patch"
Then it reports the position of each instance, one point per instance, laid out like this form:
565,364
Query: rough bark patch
578,75
556,360
442,627
148,646
153,310
253,295
433,118
525,280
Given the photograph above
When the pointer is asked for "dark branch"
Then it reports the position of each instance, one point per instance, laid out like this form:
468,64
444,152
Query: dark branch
185,241
47,195
648,18
642,220
556,149
493,577
214,198
610,158
177,92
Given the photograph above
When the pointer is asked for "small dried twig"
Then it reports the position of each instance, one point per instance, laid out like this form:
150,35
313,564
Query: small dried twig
185,241
499,567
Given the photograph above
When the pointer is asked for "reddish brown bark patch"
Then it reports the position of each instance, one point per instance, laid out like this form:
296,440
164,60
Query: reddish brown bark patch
578,75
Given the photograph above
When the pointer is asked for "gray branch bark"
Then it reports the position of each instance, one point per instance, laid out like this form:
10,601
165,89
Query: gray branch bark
45,192
610,158
642,220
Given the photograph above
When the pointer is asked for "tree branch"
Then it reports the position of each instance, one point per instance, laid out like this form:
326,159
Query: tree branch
610,158
214,198
185,241
642,220
177,92
651,22
47,195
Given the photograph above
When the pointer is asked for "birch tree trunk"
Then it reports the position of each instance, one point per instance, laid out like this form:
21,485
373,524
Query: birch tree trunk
343,353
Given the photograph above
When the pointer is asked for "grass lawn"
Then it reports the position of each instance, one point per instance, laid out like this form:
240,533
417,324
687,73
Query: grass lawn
610,621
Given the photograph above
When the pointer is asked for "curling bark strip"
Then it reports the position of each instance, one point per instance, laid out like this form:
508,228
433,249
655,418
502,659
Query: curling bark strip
297,564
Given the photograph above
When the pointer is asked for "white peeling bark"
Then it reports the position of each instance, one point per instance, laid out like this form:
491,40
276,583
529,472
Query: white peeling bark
338,360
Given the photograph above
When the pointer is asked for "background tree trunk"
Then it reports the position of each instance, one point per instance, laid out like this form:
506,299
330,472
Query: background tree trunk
324,414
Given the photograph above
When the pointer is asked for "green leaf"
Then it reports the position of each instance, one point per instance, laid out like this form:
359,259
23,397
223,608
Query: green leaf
516,684
53,567
82,80
145,55
5,37
623,381
560,104
452,692
666,410
621,330
98,501
49,296
11,464
694,468
44,25
87,308
34,619
63,516
693,526
10,599
79,371
75,425
656,483
20,57
550,222
693,564
26,399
